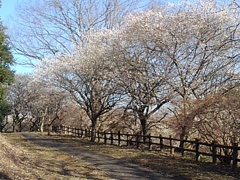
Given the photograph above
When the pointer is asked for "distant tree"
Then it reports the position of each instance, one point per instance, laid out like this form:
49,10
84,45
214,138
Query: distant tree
34,105
19,97
217,118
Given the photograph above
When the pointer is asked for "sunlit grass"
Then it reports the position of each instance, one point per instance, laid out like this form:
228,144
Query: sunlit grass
25,160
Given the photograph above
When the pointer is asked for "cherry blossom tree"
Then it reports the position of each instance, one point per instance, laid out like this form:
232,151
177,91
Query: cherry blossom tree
34,104
142,75
171,53
45,106
199,42
86,75
19,97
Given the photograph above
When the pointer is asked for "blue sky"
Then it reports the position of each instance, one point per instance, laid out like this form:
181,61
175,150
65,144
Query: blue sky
7,10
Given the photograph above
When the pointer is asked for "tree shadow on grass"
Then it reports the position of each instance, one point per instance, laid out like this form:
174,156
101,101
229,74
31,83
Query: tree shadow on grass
185,169
175,167
3,176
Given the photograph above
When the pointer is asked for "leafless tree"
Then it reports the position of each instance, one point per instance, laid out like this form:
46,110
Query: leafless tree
44,28
217,118
19,98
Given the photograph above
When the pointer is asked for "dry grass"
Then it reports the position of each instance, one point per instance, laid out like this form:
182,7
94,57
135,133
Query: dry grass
21,159
172,166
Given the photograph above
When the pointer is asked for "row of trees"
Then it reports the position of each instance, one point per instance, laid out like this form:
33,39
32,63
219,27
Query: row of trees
176,64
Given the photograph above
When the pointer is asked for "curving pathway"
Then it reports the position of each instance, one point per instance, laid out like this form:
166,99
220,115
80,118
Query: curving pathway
116,169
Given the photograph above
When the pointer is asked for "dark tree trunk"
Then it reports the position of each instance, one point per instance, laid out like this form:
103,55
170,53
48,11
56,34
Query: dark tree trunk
49,129
143,121
93,131
14,126
182,135
20,126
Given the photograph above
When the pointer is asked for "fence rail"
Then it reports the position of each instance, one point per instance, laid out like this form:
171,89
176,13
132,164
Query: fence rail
159,143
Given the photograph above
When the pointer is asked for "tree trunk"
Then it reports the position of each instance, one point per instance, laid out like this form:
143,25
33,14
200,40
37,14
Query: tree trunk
93,132
143,121
20,126
42,125
15,120
14,126
182,135
49,129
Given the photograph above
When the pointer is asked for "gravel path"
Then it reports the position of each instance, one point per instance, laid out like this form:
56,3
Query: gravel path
115,168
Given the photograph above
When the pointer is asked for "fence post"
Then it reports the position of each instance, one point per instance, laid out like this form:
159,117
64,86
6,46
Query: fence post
160,143
235,156
74,131
149,141
105,138
137,139
89,133
78,132
60,129
127,139
197,149
119,138
67,130
98,134
111,133
214,151
182,146
81,135
170,143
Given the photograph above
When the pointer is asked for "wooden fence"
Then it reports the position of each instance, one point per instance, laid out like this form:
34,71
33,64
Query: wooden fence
160,143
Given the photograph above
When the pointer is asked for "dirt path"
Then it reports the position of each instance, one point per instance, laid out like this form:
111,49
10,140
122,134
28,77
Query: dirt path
115,168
